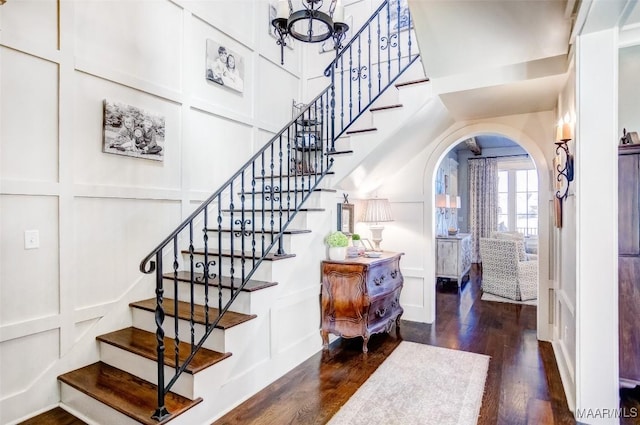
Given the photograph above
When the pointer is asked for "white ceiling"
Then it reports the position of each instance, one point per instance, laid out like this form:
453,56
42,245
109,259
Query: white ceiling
494,57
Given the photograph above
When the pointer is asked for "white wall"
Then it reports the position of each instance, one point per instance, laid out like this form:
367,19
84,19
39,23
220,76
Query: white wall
596,222
563,270
98,214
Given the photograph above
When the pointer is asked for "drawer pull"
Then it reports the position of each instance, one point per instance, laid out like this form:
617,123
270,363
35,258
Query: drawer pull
394,274
381,313
378,280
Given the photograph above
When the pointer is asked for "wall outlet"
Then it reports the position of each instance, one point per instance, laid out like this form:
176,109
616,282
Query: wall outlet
31,239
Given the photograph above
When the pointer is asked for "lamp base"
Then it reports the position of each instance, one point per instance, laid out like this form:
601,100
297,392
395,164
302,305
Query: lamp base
376,236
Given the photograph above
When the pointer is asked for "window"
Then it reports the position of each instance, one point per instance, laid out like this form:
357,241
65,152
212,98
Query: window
518,198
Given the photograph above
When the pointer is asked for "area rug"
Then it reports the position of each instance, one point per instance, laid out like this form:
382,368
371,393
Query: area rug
491,297
419,384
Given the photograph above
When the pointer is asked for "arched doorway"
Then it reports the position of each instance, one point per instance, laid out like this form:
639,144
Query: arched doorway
445,145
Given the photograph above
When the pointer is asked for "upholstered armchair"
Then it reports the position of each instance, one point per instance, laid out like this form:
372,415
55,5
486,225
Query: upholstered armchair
507,271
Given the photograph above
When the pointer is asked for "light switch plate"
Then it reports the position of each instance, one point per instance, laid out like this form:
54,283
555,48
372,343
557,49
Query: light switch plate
31,239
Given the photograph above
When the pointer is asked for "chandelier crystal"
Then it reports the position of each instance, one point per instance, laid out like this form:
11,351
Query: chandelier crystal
309,22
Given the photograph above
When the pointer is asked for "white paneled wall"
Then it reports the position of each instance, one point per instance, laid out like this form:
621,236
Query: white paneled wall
29,117
98,214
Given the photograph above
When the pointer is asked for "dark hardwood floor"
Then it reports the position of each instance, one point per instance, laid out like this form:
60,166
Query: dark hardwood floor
523,384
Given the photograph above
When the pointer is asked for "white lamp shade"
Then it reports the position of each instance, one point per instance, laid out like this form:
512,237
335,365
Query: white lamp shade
455,202
378,210
443,201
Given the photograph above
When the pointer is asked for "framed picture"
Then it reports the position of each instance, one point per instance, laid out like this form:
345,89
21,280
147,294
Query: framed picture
400,18
368,246
345,218
224,66
132,131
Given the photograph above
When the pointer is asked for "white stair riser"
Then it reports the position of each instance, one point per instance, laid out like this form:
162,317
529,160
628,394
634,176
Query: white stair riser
288,199
245,243
388,97
415,94
248,342
267,271
145,320
299,220
242,303
147,369
291,243
413,73
247,302
301,182
93,409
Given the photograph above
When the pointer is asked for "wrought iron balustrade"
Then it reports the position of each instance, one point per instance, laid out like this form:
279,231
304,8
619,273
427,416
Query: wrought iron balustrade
255,206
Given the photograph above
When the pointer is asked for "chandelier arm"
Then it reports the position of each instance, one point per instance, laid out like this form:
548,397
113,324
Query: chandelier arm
319,25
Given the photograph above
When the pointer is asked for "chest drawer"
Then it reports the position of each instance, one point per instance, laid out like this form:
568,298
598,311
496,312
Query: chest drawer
384,278
382,308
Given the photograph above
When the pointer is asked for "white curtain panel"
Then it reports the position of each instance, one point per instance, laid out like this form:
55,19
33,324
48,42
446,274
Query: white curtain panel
483,202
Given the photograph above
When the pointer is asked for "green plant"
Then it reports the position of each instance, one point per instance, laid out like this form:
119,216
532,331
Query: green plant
355,237
337,239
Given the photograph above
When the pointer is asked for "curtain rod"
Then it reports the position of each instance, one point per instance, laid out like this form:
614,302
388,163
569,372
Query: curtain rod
504,156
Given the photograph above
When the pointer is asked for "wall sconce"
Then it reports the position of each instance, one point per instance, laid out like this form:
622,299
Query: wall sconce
564,134
377,211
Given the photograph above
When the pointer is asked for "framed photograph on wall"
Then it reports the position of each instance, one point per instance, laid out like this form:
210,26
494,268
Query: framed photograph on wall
399,16
224,66
346,218
131,131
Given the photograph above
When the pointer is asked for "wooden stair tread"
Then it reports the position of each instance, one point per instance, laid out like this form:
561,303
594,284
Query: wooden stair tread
252,285
339,153
125,392
408,83
144,344
229,319
269,231
55,416
362,130
383,108
238,254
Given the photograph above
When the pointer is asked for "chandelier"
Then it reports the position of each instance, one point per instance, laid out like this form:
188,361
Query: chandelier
309,22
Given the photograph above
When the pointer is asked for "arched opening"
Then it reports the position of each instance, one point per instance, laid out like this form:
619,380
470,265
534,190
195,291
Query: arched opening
521,157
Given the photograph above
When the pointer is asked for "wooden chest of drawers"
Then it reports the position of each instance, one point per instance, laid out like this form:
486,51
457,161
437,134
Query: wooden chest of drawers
361,296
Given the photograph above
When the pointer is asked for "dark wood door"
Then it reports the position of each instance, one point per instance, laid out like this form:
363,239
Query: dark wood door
629,306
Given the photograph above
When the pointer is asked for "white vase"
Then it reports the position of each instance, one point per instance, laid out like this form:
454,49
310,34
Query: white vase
337,253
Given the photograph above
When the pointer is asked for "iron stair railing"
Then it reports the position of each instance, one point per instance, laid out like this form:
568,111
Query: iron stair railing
256,205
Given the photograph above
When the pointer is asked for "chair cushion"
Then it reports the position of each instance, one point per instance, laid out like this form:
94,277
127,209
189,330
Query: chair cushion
513,236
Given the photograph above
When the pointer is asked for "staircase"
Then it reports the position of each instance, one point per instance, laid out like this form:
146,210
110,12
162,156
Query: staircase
195,349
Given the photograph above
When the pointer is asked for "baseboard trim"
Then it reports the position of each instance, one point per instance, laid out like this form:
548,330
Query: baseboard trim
565,376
